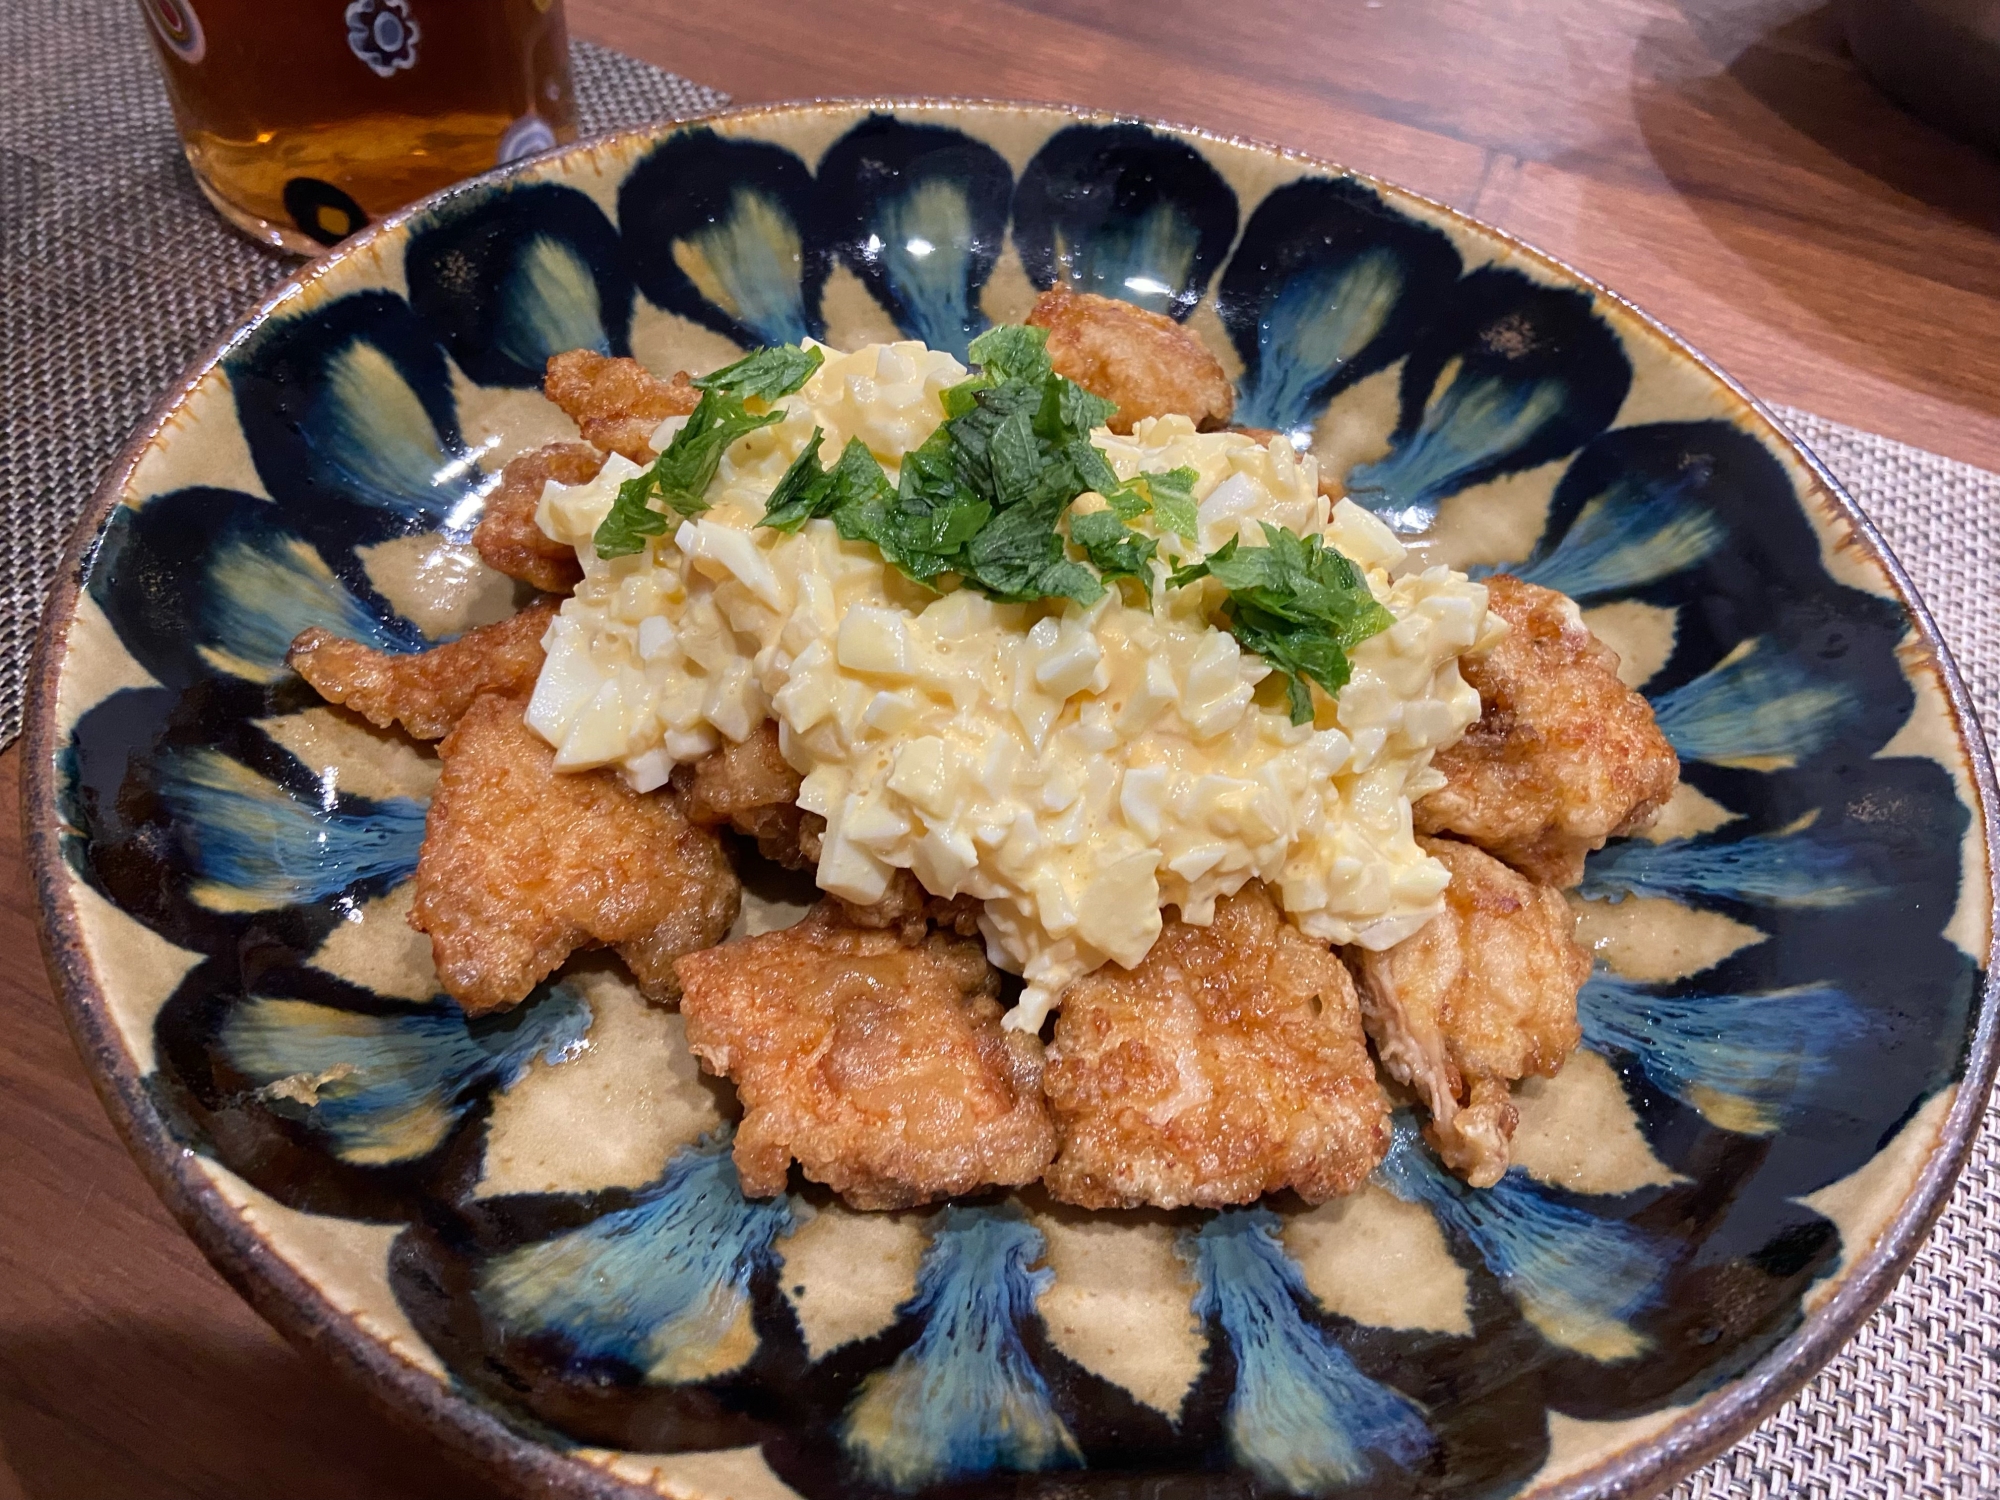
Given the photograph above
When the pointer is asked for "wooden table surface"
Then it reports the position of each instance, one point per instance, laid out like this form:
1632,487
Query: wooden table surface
1720,162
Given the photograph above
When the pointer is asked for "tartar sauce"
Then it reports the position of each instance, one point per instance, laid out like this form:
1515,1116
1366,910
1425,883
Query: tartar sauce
1074,768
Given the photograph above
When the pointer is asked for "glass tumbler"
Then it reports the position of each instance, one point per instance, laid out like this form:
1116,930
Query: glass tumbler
304,120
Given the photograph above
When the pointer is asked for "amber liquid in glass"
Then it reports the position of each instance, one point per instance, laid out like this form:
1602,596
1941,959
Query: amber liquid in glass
305,119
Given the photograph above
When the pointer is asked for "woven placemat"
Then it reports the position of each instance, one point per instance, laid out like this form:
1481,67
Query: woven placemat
114,275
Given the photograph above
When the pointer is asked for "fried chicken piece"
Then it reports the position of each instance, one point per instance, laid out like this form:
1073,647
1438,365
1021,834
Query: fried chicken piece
881,1067
910,911
508,538
424,691
751,787
616,403
1148,364
1484,994
1564,755
1229,1064
523,864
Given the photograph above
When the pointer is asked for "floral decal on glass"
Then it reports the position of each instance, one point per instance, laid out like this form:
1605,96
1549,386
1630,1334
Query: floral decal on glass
383,34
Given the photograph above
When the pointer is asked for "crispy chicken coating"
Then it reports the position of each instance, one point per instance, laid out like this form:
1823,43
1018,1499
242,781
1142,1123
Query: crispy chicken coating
616,403
1148,364
507,537
1484,994
424,691
522,864
752,788
882,1067
910,911
1229,1064
1564,755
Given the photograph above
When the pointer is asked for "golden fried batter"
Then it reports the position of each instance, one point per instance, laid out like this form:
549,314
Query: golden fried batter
1148,364
508,538
1484,994
750,787
616,403
910,911
522,864
881,1067
1564,755
425,691
1229,1064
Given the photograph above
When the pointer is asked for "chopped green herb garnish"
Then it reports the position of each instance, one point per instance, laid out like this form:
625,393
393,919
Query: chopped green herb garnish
807,490
919,534
1172,495
767,373
1114,549
982,497
680,476
797,497
1067,408
1297,603
1010,352
1168,497
1018,558
985,496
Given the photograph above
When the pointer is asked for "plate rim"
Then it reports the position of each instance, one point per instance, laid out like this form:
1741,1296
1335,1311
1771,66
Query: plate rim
421,1402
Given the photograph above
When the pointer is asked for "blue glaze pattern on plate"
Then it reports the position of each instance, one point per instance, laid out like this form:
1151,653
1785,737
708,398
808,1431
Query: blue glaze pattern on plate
719,231
964,1399
652,1288
1745,1061
1578,1277
208,583
1123,211
919,213
659,1319
351,405
547,257
1759,704
1302,1417
1643,504
1327,286
254,846
385,1087
1806,869
1508,374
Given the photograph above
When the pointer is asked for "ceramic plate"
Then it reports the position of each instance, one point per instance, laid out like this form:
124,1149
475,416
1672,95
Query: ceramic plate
525,1232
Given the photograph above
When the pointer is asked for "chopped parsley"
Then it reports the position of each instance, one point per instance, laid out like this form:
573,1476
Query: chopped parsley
1297,603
